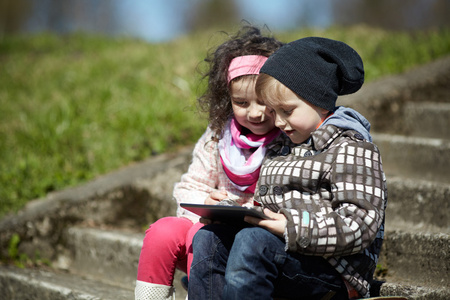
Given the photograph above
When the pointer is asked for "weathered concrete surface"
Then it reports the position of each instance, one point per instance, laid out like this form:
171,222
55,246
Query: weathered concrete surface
108,255
121,196
425,119
412,292
418,257
31,284
422,205
415,157
383,100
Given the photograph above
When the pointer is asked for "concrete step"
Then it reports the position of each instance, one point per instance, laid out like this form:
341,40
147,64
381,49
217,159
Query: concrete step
424,119
416,247
52,284
418,257
414,292
103,257
419,119
19,284
422,203
388,100
109,255
33,284
414,157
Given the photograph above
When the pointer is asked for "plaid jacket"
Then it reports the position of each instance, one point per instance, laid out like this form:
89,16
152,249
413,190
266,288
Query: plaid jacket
333,193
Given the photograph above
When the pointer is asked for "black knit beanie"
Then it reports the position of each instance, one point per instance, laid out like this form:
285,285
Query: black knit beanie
317,69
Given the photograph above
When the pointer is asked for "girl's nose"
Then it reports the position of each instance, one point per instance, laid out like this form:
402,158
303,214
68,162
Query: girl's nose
255,111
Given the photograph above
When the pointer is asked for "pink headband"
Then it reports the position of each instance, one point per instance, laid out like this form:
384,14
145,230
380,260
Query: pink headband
245,65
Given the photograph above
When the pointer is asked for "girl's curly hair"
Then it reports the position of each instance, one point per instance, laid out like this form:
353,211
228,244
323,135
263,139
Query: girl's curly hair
216,101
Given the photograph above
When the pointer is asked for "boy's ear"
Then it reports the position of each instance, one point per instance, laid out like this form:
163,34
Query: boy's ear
324,112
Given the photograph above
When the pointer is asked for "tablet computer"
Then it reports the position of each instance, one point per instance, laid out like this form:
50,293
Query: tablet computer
224,213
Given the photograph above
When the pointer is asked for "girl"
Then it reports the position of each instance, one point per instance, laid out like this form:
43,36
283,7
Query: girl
322,183
226,159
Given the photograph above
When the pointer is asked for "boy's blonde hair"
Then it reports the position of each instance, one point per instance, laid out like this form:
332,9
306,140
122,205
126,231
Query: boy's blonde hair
268,89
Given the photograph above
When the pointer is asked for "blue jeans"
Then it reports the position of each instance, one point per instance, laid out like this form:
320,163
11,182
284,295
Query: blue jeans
251,263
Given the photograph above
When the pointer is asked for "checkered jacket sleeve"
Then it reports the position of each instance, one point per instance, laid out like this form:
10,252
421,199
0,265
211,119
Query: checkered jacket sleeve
333,193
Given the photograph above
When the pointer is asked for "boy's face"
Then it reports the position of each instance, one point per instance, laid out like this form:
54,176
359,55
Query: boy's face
295,116
248,110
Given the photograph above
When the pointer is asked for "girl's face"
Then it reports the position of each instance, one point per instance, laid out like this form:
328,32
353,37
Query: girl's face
248,110
295,116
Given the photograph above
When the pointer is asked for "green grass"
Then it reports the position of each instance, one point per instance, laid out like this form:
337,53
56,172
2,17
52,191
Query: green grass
75,107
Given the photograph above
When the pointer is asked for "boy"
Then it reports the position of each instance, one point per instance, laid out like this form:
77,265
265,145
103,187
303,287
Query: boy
322,183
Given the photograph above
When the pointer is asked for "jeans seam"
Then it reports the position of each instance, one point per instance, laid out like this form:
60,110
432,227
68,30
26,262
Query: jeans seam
210,292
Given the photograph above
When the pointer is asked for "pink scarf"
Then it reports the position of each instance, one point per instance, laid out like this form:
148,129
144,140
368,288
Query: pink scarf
242,155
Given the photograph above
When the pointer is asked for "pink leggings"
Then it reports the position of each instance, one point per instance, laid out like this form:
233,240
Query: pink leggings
167,246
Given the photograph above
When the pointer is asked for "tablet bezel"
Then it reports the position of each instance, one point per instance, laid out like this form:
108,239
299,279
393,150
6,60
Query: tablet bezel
223,212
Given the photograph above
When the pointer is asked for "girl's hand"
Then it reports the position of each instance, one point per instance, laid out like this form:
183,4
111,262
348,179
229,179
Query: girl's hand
215,197
277,225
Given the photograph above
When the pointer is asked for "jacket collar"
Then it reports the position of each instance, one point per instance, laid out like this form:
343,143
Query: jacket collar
324,136
320,139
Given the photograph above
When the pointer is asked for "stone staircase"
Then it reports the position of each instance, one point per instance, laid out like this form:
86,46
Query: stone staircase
410,117
93,233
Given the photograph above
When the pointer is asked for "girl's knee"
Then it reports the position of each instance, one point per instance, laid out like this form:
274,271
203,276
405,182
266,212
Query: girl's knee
169,228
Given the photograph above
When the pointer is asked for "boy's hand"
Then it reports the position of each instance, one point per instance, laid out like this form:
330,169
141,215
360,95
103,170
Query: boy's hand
277,225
